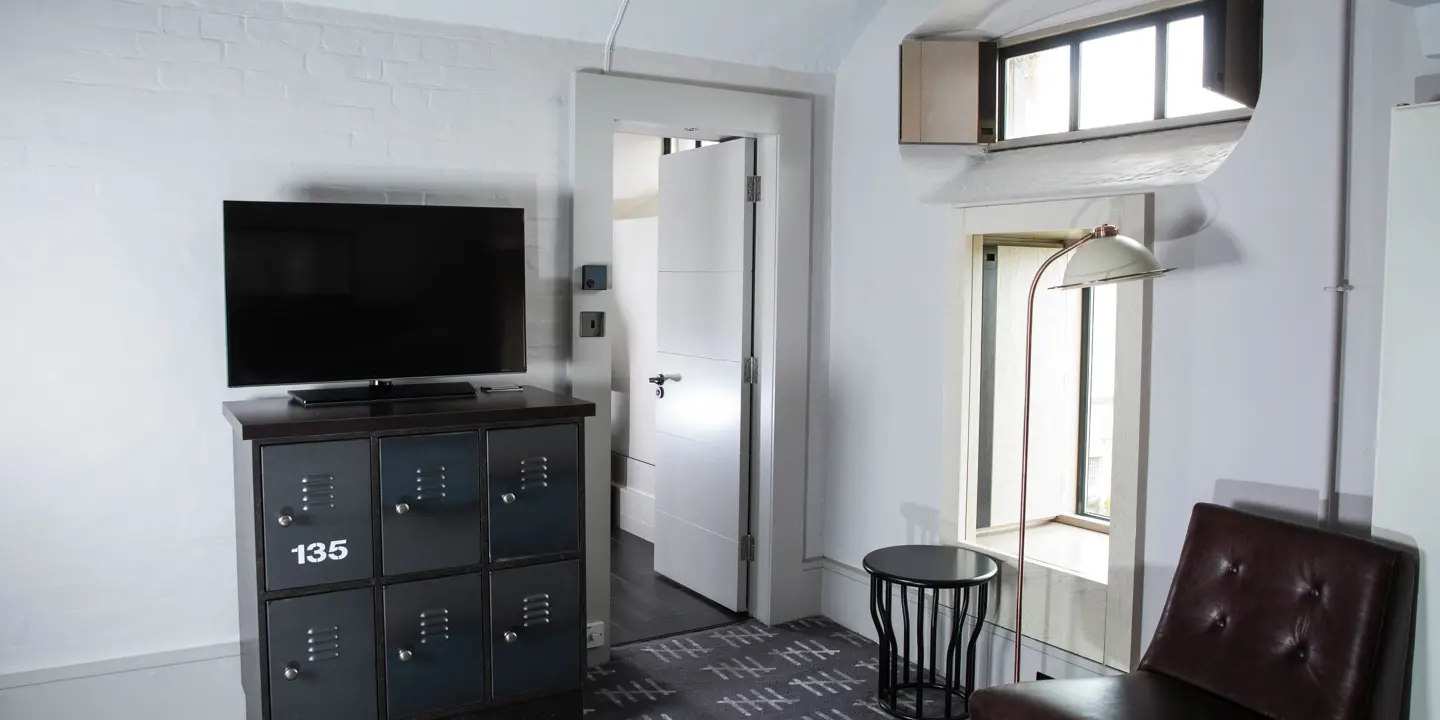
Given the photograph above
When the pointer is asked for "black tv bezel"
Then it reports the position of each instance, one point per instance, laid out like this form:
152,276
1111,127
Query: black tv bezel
524,280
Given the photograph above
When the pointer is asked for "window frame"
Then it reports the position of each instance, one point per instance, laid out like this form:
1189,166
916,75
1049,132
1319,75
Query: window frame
1212,10
1082,448
1118,598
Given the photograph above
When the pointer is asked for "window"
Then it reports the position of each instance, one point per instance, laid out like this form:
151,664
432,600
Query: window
1072,391
1187,61
1088,372
1096,402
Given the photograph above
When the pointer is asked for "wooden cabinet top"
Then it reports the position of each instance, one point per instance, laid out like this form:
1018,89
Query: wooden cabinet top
273,418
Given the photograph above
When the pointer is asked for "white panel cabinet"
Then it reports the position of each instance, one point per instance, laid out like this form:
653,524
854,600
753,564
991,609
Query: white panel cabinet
1407,469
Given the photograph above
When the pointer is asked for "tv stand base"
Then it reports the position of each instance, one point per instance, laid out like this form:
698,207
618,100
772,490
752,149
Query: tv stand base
382,391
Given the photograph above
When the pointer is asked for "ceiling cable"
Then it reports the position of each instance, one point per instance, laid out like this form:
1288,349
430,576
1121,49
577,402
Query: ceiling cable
614,30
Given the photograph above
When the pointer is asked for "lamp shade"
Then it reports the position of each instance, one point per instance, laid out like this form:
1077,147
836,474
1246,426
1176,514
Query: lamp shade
1110,257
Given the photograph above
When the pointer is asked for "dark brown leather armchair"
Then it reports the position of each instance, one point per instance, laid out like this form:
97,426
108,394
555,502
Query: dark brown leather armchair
1266,619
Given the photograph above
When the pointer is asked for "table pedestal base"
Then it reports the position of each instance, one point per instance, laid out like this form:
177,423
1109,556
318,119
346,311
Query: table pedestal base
916,686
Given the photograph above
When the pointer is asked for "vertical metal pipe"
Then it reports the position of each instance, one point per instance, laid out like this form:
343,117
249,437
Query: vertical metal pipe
1342,286
614,30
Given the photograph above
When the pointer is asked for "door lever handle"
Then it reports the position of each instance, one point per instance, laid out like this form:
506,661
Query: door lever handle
662,379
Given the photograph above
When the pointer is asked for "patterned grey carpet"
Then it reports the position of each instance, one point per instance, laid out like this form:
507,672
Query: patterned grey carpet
810,669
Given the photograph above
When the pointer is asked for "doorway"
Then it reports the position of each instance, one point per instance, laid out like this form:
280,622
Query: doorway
682,280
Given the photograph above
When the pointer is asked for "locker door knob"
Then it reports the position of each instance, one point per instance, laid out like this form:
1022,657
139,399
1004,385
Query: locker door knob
406,655
285,521
507,498
292,671
511,636
402,508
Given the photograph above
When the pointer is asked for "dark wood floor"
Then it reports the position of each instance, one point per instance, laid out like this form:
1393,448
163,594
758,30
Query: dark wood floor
644,606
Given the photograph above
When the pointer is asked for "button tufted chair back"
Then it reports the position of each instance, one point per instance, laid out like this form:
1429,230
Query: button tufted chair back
1282,619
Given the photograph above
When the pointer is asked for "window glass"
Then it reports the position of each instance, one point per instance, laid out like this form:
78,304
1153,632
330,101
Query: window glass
1117,79
1100,412
1054,389
1037,93
1185,56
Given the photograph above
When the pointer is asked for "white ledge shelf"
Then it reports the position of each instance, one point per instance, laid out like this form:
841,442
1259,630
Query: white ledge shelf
970,176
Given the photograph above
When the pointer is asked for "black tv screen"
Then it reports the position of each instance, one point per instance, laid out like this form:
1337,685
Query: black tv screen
320,292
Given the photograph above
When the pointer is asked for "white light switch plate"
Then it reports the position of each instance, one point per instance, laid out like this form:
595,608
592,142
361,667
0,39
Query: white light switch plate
595,635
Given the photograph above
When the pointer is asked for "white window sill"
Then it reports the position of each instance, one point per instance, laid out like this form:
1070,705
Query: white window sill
1075,550
1140,128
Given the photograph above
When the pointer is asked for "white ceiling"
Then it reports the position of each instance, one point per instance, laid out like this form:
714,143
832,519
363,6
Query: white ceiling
802,35
1006,18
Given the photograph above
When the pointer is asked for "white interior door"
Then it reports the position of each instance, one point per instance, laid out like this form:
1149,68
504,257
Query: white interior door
702,492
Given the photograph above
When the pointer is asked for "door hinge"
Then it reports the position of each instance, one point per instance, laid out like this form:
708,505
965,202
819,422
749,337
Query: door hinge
747,548
752,188
751,371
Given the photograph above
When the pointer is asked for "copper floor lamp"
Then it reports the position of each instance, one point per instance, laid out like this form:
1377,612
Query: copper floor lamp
1103,257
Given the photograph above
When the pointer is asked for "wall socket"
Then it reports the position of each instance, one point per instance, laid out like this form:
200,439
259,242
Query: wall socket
592,324
595,635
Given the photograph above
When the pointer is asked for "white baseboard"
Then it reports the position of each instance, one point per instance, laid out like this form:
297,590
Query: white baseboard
635,512
112,666
633,499
846,600
202,682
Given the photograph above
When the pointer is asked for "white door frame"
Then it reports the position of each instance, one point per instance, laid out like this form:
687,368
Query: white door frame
780,589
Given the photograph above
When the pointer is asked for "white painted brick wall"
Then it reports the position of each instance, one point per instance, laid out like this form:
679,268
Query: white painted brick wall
123,125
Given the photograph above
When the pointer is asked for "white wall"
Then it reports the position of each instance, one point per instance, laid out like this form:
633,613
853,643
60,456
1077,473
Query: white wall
1243,339
881,392
1242,357
1405,488
125,125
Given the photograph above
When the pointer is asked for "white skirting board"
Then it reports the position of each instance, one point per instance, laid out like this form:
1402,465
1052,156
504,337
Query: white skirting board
193,683
633,503
635,512
846,600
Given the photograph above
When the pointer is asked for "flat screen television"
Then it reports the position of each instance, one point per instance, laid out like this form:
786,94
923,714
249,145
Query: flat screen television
319,292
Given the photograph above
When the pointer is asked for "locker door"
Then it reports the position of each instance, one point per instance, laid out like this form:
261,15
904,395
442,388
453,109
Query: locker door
536,629
534,490
322,657
316,513
430,495
434,645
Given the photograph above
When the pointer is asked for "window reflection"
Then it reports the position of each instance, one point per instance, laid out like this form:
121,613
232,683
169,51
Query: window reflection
1185,93
1117,79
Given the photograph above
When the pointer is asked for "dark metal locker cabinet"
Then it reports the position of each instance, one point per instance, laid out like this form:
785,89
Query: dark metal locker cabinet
534,491
322,657
316,513
430,502
535,629
434,645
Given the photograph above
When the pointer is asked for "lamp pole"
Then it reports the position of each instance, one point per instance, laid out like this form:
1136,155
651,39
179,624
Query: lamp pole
1102,231
1108,258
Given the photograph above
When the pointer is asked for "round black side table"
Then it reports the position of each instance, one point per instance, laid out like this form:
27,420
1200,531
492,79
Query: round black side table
927,570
